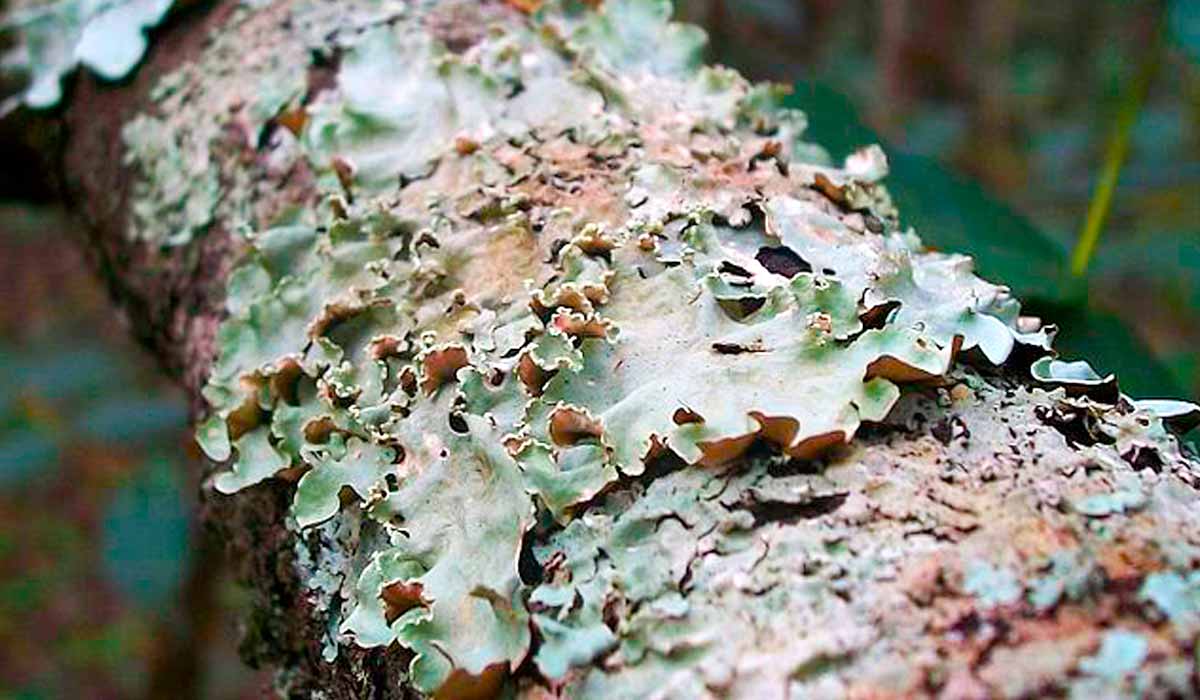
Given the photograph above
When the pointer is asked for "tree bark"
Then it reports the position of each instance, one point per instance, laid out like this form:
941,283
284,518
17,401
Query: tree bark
736,436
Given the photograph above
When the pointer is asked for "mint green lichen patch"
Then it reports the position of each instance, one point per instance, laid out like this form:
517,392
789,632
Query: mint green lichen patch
1076,377
109,38
1070,576
177,197
1180,416
463,518
403,100
257,459
565,647
1175,596
1125,498
1112,503
1120,654
635,35
197,155
992,585
358,465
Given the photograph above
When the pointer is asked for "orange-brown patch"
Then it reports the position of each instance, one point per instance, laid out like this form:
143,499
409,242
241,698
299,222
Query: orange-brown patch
441,365
570,425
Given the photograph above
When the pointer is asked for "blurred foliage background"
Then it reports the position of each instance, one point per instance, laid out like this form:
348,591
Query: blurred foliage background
1000,118
108,586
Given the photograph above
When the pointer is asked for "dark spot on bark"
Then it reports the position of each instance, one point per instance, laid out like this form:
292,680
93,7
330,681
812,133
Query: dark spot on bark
782,260
322,73
750,304
777,512
968,625
729,268
686,416
950,429
877,317
528,568
1076,423
556,247
1143,457
735,348
792,467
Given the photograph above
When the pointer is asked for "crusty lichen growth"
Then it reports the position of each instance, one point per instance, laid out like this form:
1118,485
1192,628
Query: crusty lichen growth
591,376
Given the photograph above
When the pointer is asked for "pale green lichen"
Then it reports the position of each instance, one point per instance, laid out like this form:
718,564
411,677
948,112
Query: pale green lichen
571,304
401,103
179,190
1108,673
992,585
1126,498
106,36
460,521
184,161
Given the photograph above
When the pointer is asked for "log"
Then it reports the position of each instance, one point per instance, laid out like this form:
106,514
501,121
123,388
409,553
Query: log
536,358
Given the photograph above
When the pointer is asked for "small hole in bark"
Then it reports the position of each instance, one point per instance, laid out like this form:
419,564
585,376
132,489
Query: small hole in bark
782,260
733,269
528,568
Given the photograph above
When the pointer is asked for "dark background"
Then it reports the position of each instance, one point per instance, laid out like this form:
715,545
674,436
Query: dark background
997,116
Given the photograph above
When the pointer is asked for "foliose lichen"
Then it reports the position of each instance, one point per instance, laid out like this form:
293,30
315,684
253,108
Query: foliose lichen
106,36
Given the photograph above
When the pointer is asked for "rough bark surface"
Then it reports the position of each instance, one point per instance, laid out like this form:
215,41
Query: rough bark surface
555,363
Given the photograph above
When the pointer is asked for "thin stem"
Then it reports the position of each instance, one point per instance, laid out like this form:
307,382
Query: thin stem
1114,158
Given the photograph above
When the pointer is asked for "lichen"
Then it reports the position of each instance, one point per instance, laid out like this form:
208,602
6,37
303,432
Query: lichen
594,362
189,154
109,38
